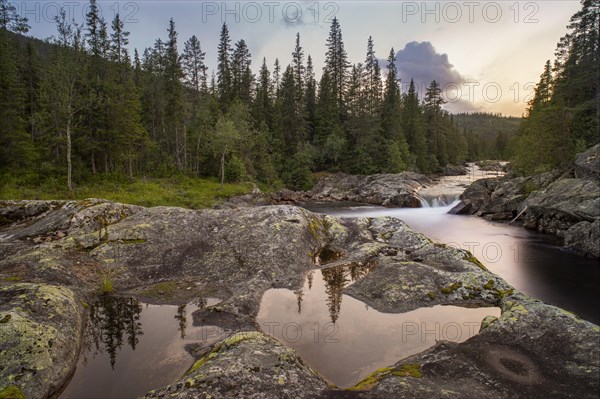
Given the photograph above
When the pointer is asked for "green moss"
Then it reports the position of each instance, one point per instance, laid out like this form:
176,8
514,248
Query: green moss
198,364
167,288
371,380
470,258
501,294
409,370
451,288
12,392
107,286
316,227
489,285
13,279
431,295
5,319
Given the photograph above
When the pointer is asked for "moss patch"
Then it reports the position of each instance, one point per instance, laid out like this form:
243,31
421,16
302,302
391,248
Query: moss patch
164,289
470,258
501,294
489,285
451,288
409,370
431,295
371,380
12,392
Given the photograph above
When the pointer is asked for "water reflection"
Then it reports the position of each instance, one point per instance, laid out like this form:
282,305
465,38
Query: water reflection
130,347
529,261
345,340
111,320
181,315
336,279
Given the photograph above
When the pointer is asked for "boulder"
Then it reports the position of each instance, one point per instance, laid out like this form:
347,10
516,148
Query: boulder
587,164
584,238
393,190
454,170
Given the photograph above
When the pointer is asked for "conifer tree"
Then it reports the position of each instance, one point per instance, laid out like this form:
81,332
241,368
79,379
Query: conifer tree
16,147
224,78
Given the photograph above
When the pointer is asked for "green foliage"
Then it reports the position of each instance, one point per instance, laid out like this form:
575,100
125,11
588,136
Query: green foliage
94,120
563,116
235,171
181,191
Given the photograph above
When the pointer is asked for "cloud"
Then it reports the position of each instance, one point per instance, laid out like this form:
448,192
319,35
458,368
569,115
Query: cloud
421,62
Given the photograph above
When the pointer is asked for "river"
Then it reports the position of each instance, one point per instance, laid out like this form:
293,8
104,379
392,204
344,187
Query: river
533,263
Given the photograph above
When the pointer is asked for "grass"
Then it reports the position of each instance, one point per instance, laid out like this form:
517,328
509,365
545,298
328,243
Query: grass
107,286
179,191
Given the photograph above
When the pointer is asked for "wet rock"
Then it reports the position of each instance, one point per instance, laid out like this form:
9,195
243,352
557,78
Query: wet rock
462,208
500,216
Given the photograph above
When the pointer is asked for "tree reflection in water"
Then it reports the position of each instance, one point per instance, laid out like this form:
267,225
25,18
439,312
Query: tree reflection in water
336,279
113,321
181,315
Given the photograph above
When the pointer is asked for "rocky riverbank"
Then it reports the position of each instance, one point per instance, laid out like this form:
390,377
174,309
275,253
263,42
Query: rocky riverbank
393,190
564,203
57,256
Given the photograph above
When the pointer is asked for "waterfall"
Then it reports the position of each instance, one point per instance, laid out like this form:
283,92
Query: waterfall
437,201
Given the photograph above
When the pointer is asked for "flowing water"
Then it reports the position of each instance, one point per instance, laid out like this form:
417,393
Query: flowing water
131,347
532,262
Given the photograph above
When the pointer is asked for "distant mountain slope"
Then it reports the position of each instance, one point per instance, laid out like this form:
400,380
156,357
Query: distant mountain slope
488,135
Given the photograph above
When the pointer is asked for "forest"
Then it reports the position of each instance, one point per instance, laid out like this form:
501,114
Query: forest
81,106
563,117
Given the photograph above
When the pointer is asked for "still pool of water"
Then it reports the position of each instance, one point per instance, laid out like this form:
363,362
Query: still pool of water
531,262
131,347
344,339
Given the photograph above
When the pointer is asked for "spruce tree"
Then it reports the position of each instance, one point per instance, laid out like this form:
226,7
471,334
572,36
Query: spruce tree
174,100
336,63
224,78
394,141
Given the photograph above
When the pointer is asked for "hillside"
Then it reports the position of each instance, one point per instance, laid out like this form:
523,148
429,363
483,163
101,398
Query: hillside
488,134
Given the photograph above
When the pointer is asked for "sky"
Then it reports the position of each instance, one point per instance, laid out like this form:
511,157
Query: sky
487,55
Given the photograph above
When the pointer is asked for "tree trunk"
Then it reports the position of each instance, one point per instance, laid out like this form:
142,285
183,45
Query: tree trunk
198,153
93,164
185,161
222,169
69,165
130,166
